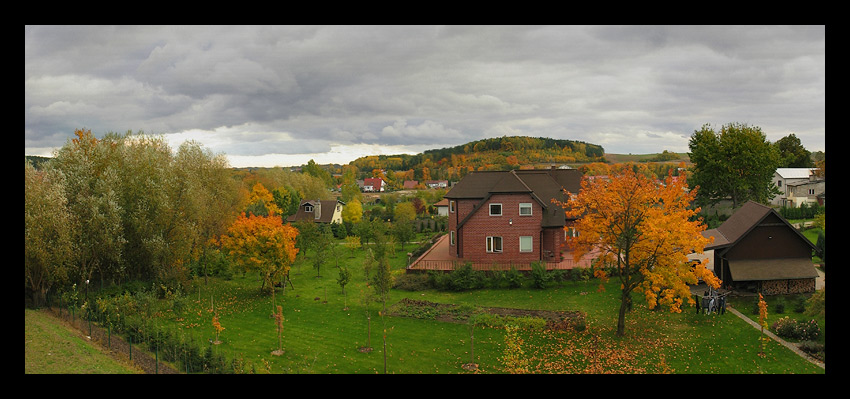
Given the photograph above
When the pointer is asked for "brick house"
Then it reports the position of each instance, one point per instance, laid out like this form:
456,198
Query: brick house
757,249
508,216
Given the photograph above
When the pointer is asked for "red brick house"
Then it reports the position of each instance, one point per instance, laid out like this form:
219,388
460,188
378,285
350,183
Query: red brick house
508,216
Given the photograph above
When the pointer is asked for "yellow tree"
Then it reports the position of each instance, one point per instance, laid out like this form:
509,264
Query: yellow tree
262,244
259,194
643,230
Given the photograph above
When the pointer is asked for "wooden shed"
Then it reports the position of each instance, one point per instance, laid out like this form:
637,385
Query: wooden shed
757,249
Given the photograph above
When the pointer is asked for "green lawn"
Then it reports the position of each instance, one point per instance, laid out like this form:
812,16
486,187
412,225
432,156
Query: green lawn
321,336
52,348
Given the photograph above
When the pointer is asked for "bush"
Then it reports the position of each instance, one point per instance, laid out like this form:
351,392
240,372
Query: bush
814,349
461,279
789,328
539,276
514,278
412,282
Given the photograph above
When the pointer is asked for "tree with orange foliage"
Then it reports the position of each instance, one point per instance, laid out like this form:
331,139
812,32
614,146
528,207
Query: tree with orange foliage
217,327
260,196
644,231
262,244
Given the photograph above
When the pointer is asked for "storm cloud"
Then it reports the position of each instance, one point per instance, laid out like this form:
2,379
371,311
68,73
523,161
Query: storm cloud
281,95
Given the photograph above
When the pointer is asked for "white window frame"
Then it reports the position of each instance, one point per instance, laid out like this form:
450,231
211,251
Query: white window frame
452,206
491,245
530,240
308,208
526,205
490,209
452,238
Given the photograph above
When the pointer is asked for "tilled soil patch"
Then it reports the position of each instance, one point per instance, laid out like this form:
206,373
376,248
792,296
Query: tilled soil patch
557,320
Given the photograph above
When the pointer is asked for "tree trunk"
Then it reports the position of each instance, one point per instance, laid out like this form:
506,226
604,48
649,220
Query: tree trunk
621,319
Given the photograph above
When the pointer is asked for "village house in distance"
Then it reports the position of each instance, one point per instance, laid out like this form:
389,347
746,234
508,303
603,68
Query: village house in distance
318,211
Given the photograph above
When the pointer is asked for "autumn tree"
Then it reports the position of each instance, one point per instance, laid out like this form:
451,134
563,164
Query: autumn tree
217,327
260,198
262,244
352,212
643,230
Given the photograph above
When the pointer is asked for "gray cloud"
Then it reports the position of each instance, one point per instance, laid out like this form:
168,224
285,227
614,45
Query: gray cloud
249,91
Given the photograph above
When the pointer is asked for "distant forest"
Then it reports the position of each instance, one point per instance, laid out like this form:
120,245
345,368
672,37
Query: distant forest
499,153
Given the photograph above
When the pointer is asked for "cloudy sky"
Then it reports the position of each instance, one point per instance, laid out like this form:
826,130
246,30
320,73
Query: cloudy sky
282,95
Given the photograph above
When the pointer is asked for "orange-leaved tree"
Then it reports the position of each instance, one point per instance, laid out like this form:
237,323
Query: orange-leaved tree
263,244
643,230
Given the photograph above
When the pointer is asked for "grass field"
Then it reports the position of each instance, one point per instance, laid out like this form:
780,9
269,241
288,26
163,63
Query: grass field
53,348
324,329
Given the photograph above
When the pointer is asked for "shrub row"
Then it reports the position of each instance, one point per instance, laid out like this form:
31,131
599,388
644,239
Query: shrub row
465,278
790,328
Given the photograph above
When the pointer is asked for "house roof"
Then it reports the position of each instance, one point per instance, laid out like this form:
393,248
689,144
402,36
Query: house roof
542,184
742,222
481,184
442,202
328,207
794,173
772,269
375,182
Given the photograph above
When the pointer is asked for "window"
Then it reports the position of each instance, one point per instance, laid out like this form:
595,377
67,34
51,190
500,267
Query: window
452,206
494,244
451,238
525,244
495,209
308,208
525,209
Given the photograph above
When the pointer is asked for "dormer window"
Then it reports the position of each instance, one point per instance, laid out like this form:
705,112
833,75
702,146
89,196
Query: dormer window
308,208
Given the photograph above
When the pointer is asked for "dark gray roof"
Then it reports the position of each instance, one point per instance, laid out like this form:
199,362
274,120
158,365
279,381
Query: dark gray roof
541,181
542,184
772,269
744,219
742,222
327,211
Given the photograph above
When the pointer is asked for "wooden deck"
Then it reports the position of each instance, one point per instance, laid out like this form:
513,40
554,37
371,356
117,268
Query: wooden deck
438,258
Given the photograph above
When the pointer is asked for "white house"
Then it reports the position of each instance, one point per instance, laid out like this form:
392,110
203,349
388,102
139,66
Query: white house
442,207
785,179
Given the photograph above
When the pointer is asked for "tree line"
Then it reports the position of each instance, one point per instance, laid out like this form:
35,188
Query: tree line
123,207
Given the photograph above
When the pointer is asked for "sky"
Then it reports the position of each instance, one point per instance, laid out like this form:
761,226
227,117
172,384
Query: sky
269,96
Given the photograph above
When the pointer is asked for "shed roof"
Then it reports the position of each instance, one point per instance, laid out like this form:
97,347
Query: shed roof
742,222
772,269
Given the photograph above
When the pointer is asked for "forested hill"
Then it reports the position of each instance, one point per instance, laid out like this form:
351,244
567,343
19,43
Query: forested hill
486,154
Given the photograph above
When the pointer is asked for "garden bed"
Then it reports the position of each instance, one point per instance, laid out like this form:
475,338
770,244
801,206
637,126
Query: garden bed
451,313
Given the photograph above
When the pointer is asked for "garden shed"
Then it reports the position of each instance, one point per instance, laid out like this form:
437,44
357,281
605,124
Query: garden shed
757,249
